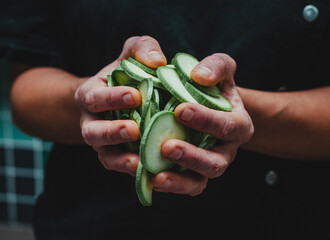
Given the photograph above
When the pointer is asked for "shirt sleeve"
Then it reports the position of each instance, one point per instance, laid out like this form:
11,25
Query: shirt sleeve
27,32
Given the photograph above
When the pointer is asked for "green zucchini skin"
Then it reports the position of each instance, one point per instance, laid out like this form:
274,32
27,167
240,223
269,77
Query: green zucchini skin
143,67
143,185
139,74
217,103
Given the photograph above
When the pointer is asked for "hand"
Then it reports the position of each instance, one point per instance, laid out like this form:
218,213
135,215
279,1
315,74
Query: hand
231,128
94,97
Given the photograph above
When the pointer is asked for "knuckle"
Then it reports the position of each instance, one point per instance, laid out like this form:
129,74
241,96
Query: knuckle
130,40
85,133
107,136
250,131
232,64
221,64
77,96
145,38
217,169
226,63
90,100
229,128
220,61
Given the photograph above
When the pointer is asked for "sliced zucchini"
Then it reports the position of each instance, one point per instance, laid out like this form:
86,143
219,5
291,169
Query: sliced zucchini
172,82
172,104
132,83
184,63
213,91
143,185
146,91
156,100
162,126
208,141
217,103
170,65
167,90
110,115
110,81
142,66
134,115
120,77
138,74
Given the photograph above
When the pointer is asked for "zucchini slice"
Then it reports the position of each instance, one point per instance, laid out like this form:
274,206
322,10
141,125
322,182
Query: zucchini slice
142,66
162,126
172,82
143,185
138,74
172,104
146,90
120,77
184,63
217,103
110,115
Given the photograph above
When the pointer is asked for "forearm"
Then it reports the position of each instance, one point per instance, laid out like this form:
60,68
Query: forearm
42,101
290,124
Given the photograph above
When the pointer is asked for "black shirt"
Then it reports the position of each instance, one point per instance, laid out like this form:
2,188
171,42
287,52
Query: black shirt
259,196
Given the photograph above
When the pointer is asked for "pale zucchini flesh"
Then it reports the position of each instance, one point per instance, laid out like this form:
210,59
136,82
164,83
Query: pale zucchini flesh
172,82
162,126
146,91
185,63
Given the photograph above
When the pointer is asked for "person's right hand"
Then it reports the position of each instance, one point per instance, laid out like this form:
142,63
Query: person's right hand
94,97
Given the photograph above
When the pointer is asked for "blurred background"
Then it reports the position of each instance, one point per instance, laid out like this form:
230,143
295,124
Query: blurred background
22,160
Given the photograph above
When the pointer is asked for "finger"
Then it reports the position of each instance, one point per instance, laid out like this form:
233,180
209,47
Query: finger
208,163
227,126
214,69
103,132
146,50
188,182
107,70
117,160
99,99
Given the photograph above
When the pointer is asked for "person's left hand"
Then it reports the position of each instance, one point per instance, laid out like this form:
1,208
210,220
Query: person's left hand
231,128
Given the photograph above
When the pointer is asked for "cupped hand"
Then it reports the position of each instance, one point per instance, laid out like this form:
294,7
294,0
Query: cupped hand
232,129
94,97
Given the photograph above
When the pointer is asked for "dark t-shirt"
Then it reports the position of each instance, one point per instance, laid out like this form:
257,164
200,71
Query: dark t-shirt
259,196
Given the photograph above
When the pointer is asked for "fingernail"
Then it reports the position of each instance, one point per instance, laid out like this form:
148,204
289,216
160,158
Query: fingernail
155,55
204,71
187,115
176,154
124,134
128,99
